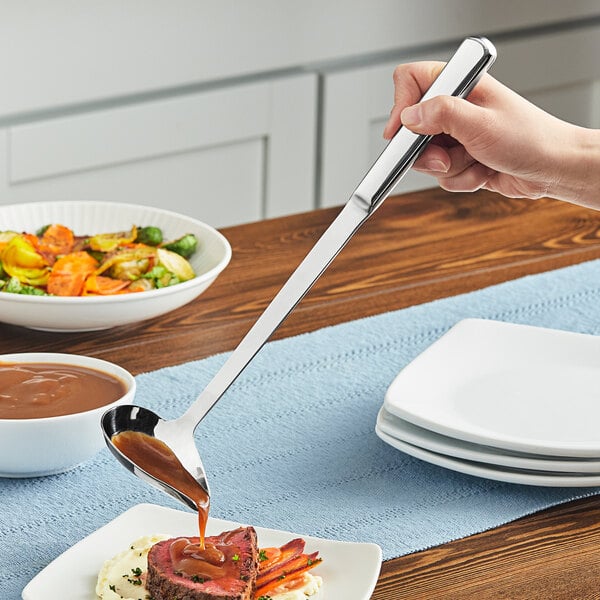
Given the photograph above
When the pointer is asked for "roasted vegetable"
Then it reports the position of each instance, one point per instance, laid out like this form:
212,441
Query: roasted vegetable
176,264
69,274
160,277
5,237
151,236
14,286
129,264
40,232
98,285
56,240
184,246
20,259
283,567
141,285
107,242
57,262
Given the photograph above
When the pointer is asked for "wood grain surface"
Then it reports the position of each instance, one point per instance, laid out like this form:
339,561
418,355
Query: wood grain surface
416,248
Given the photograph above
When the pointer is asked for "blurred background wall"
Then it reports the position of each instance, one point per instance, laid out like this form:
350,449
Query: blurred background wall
234,111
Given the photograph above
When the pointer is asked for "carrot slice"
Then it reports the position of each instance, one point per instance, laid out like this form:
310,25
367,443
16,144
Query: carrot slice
286,553
286,568
268,557
98,285
289,571
69,273
281,566
57,239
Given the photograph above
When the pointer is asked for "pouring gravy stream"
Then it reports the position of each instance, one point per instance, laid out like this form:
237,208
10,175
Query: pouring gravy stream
157,459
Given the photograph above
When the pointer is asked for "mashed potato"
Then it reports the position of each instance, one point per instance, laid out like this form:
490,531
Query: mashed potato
123,577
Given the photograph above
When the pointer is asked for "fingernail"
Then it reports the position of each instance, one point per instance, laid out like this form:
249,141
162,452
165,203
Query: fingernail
411,115
436,165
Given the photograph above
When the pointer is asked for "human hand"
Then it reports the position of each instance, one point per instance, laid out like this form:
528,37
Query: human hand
495,140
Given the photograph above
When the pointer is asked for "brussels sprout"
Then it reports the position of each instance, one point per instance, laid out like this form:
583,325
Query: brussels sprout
151,236
161,277
14,286
176,264
184,246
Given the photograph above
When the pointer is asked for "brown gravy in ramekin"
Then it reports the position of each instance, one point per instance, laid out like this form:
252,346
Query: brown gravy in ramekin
37,390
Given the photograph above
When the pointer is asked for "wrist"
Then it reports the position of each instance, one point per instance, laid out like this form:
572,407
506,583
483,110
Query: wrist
579,168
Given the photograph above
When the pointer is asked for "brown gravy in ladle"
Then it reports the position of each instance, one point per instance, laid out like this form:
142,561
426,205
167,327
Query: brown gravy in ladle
157,459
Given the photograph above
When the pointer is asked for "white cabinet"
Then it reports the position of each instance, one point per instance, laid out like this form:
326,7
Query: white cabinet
224,156
559,71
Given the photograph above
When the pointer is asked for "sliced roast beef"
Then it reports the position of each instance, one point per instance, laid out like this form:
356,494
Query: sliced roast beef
226,570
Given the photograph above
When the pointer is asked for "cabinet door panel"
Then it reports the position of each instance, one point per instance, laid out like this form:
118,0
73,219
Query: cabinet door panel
110,137
197,183
228,156
558,71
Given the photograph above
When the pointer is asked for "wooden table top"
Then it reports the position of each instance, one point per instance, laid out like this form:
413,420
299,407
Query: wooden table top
416,248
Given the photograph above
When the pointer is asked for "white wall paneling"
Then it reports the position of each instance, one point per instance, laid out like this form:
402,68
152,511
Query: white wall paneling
231,111
230,155
64,53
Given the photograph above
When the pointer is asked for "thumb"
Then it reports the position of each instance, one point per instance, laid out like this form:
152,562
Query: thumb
466,122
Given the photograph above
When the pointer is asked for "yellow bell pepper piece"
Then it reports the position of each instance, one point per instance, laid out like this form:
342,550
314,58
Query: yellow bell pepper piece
107,242
21,260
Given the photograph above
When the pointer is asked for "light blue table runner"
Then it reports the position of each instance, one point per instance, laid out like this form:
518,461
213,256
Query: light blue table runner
292,444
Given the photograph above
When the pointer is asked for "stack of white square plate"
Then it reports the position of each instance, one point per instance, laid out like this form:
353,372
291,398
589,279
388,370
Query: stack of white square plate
508,402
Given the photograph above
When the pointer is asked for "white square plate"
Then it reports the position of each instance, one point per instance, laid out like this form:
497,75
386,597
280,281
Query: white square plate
349,569
521,476
516,387
434,442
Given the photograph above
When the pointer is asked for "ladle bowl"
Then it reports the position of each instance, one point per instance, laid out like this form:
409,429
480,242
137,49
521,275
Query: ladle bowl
174,434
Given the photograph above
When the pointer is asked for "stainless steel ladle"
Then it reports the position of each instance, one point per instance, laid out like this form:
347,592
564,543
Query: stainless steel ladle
473,58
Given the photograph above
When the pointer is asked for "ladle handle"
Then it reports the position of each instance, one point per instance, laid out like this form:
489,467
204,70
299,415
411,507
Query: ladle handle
459,76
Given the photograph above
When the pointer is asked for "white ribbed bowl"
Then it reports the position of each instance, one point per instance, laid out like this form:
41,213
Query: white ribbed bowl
54,313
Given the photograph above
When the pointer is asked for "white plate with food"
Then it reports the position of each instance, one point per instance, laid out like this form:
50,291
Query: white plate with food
506,474
516,387
441,444
150,245
348,570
